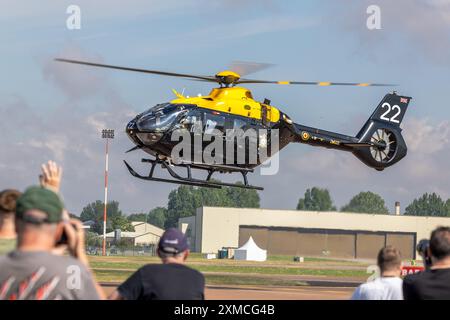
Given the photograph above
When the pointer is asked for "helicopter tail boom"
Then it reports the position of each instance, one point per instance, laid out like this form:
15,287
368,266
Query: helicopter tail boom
379,143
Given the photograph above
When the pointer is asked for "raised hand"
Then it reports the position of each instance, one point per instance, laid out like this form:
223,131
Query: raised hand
51,176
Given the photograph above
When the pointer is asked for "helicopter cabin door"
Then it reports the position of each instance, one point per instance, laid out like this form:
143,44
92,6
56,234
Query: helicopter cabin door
214,128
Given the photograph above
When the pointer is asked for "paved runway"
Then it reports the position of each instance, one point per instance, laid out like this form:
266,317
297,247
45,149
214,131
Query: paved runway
277,293
269,293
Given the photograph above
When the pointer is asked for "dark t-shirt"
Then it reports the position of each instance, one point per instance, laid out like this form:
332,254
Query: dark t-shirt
427,285
164,282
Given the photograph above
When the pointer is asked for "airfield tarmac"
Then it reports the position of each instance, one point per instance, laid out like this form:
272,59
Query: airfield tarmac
279,278
267,293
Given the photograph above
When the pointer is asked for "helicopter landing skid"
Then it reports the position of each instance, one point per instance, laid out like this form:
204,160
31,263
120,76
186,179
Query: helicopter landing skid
189,180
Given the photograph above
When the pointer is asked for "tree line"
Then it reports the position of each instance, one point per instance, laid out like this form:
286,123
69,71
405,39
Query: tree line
429,204
183,202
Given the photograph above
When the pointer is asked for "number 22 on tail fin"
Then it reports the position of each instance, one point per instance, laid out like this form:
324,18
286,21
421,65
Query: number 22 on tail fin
391,109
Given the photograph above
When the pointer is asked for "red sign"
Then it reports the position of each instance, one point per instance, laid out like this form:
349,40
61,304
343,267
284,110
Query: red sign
411,270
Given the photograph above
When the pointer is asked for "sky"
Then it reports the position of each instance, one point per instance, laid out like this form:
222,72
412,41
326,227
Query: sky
56,111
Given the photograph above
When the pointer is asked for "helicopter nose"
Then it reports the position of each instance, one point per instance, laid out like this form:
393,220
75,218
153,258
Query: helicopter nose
131,126
141,138
132,130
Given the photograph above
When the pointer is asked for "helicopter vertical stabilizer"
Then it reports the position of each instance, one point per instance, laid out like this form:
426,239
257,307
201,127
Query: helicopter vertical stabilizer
383,133
390,110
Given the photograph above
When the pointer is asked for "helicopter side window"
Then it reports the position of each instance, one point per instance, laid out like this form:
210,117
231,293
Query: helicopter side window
159,107
237,127
214,121
234,126
193,121
239,124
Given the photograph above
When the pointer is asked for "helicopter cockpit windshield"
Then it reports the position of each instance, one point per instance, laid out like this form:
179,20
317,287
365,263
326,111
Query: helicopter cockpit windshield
159,118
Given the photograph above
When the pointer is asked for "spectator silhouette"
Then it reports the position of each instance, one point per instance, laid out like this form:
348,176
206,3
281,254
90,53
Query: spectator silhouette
171,280
433,283
389,285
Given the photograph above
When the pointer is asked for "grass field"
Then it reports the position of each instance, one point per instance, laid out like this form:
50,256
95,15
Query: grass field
276,271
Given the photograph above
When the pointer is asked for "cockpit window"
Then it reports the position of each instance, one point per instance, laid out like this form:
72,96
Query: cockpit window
160,117
164,108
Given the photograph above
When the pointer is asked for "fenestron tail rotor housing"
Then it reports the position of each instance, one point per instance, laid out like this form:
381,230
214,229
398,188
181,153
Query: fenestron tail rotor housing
384,145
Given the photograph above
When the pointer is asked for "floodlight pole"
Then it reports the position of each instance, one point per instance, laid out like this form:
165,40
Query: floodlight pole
106,134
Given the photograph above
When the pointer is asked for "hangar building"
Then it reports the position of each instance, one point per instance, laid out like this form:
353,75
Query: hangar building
307,233
143,234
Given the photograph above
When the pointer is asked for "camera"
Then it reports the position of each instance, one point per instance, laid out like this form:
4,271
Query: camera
64,240
422,250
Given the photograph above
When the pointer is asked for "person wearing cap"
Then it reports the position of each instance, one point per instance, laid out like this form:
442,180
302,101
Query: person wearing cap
171,280
33,271
8,235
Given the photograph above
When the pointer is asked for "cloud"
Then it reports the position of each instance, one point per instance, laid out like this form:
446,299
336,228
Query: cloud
75,81
70,133
73,139
219,33
56,144
426,164
251,27
425,137
331,163
97,121
100,9
424,169
422,25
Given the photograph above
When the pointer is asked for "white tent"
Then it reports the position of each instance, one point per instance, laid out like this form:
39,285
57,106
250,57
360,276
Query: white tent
250,251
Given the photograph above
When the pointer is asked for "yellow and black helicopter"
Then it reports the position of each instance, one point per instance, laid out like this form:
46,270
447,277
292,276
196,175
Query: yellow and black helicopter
379,143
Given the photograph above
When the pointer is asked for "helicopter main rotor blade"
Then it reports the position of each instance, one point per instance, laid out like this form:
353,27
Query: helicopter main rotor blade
315,83
162,73
244,68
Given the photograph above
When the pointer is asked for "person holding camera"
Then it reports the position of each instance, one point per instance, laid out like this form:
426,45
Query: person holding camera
434,282
34,271
422,250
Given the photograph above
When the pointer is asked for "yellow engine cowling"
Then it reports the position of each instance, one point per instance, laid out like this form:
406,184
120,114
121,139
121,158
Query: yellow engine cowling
233,100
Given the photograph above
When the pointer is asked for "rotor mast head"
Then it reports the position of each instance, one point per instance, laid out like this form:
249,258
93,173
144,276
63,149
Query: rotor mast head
227,78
